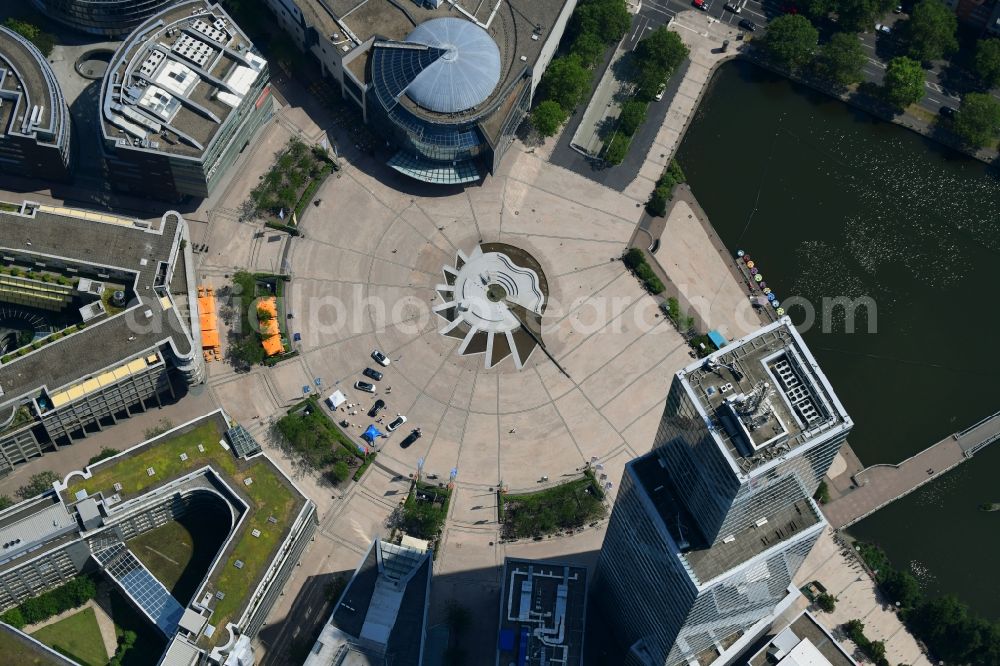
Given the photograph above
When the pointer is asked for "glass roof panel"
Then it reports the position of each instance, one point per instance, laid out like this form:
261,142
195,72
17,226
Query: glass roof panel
464,75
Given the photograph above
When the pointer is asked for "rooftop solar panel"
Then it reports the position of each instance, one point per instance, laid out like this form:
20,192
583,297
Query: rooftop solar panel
141,586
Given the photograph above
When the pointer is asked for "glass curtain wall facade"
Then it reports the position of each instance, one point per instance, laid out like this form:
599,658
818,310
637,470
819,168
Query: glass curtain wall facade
710,527
721,499
680,617
112,18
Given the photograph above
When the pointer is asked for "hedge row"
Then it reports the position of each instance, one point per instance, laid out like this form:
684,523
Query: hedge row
594,26
635,260
664,190
71,595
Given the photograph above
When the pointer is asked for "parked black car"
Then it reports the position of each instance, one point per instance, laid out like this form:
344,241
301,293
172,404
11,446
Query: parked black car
748,25
376,408
372,374
412,437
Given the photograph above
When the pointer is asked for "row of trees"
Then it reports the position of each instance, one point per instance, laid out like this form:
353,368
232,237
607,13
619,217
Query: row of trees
314,442
75,593
946,625
649,67
793,42
42,40
595,25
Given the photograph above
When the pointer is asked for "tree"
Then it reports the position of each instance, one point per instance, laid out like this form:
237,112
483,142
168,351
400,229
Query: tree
547,117
608,19
978,120
840,60
5,502
947,628
589,47
902,587
817,10
42,40
632,116
616,150
904,82
931,28
566,81
791,40
860,15
655,58
106,452
987,63
37,484
826,602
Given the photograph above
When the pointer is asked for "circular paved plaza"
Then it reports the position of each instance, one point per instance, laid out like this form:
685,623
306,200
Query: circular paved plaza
372,271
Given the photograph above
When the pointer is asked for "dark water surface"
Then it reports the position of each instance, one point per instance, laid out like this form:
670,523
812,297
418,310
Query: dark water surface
833,203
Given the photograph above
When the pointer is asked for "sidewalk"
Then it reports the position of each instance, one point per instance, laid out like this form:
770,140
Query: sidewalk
703,35
104,621
833,564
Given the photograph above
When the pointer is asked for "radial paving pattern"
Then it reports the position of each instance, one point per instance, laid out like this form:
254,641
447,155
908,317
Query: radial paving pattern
368,274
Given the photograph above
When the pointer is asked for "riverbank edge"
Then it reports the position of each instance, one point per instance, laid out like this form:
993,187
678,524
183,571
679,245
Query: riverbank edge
872,106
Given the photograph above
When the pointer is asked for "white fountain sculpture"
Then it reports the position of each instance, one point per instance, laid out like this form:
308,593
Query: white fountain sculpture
486,297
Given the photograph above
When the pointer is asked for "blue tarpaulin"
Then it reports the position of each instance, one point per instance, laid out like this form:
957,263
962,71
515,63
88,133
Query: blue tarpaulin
717,339
372,434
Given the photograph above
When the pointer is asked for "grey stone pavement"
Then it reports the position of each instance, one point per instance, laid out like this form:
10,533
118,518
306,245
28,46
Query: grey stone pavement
364,277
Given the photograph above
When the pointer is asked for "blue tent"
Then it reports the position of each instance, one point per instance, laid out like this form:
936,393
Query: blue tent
717,339
372,434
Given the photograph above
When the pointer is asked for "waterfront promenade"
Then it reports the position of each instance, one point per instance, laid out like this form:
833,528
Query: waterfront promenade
860,493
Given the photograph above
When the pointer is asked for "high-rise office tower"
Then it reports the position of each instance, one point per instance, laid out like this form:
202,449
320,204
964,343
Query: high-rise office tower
709,528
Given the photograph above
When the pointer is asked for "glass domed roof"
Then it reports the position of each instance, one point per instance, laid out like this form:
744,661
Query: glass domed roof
466,72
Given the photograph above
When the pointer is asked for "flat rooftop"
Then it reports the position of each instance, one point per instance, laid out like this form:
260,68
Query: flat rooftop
707,561
380,618
804,643
30,100
765,395
175,81
98,244
19,649
273,505
518,27
542,613
31,524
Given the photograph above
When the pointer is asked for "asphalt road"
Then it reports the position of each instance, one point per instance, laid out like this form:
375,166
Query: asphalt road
879,48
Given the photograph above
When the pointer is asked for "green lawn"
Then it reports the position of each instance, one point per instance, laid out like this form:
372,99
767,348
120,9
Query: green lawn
567,506
19,651
76,636
425,511
165,551
269,496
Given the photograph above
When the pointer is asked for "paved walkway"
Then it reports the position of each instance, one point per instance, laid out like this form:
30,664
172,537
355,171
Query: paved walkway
869,489
703,35
104,622
878,485
835,565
